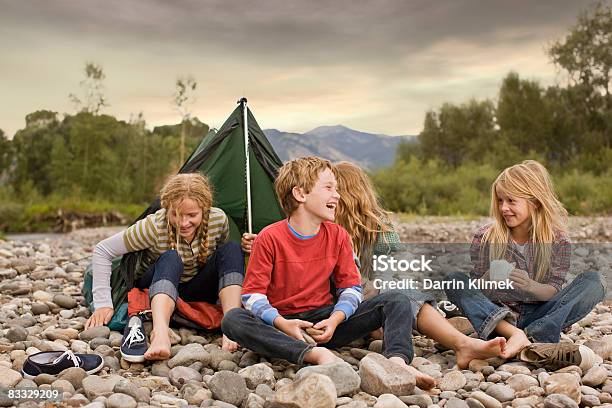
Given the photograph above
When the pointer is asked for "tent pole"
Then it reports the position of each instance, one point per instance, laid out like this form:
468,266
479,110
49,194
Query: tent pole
243,102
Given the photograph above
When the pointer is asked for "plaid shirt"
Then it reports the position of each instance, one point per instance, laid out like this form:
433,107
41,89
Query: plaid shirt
560,264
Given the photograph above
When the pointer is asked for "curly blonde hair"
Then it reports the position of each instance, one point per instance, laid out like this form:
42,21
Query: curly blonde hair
196,187
531,181
359,210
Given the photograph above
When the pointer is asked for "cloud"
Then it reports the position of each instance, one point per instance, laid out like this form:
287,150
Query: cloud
302,63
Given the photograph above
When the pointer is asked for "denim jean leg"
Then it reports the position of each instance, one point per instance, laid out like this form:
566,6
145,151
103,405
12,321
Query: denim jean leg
251,332
477,307
572,303
224,267
389,310
163,276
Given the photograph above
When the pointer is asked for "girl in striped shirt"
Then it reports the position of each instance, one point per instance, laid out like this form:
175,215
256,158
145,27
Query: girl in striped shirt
187,254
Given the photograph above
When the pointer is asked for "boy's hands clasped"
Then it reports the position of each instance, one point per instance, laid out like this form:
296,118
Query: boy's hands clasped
329,326
293,327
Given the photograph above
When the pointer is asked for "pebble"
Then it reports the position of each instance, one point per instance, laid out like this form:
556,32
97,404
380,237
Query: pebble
259,374
559,401
93,332
486,400
229,387
190,354
452,381
595,376
520,382
181,375
119,400
315,390
64,301
422,401
8,377
389,401
345,379
501,392
563,383
16,334
455,403
381,376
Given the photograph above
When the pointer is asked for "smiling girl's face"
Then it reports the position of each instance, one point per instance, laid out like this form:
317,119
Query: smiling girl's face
515,210
189,219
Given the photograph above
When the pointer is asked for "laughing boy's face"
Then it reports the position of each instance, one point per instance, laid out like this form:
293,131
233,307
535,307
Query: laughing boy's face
322,201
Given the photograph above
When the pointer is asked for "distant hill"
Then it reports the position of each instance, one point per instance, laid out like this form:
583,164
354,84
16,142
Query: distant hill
368,150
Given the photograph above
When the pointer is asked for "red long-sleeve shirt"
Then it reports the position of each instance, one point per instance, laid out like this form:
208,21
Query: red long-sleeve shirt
295,274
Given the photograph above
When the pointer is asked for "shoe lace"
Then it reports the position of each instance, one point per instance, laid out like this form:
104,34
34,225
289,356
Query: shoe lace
563,356
134,336
71,356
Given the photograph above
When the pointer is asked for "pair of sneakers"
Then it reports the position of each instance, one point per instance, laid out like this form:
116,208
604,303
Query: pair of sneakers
134,342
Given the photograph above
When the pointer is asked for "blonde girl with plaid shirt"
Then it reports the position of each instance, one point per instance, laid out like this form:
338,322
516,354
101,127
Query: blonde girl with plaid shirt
529,231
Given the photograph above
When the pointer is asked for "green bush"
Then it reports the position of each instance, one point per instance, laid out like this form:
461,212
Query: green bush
585,193
432,188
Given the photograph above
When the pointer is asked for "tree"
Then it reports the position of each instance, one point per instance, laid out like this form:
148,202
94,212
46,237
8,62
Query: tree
31,149
523,115
586,52
458,133
184,96
5,152
93,99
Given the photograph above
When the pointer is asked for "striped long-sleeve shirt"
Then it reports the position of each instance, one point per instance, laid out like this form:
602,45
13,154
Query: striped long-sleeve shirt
151,234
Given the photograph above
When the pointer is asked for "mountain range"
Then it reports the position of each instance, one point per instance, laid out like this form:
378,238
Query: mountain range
368,150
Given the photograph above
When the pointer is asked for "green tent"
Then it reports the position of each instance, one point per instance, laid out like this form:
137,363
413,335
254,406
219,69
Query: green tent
247,198
221,156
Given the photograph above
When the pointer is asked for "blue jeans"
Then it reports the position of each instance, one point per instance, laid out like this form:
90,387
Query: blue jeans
541,321
390,310
223,268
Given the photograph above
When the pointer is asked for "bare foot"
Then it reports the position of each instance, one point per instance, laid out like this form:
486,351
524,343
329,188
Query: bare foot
320,355
423,381
229,345
160,346
480,349
517,341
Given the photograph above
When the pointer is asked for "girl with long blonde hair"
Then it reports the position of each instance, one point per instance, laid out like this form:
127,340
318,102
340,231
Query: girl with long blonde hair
527,244
187,254
361,214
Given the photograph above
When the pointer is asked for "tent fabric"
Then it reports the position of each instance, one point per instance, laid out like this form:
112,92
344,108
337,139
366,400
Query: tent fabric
204,315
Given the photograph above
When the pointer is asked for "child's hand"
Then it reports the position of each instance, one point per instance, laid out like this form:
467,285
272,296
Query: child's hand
101,316
329,325
292,327
247,242
521,279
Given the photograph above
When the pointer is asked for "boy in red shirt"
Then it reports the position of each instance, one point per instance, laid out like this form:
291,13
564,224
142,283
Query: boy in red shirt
287,284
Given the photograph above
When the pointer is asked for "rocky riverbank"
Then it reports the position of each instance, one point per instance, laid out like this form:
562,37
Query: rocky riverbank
41,310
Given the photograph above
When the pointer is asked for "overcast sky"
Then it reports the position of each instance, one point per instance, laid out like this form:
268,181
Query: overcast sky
375,66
